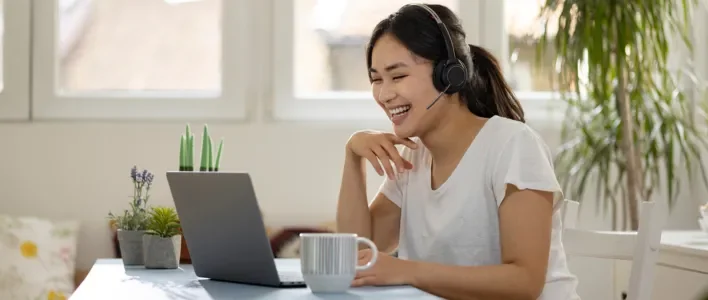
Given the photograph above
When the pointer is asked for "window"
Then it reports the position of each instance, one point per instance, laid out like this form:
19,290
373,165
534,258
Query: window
523,33
14,59
330,37
524,30
512,31
133,59
212,59
138,45
319,49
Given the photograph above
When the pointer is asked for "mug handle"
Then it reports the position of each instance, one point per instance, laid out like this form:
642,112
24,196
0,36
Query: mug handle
374,253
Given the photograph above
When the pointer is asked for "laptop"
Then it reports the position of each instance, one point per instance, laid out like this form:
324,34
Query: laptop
224,231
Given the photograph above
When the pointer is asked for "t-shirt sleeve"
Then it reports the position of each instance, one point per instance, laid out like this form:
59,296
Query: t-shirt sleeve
526,162
393,188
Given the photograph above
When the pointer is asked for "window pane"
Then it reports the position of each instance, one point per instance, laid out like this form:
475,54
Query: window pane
524,31
2,43
139,45
329,41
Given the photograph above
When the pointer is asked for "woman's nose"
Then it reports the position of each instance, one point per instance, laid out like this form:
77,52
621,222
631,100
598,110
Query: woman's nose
386,93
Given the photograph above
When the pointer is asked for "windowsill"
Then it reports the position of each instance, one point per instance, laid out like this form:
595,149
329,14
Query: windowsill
541,108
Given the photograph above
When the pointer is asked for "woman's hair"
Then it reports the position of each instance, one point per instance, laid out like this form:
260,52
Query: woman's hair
486,93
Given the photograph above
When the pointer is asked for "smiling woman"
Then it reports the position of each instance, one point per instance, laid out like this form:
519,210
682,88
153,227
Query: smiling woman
471,201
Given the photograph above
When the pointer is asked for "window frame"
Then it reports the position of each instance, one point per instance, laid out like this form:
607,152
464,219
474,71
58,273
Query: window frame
228,104
15,95
331,106
539,106
480,19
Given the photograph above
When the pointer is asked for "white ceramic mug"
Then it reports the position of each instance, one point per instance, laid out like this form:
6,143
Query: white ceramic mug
329,260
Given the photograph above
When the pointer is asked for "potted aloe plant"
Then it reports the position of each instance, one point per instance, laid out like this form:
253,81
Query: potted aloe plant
131,225
186,152
162,241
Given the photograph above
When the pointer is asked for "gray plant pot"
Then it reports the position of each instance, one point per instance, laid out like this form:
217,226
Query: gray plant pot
131,246
162,253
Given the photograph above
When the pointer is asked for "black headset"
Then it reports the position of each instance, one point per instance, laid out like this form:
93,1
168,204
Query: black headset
449,75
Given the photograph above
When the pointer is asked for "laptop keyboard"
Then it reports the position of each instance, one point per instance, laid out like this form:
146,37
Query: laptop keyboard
290,277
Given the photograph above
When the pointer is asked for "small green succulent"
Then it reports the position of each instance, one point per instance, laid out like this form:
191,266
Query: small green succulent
163,222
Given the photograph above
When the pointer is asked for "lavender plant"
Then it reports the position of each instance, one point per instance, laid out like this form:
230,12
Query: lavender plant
137,217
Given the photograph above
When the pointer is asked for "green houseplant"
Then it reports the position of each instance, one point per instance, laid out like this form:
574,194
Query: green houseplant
615,76
132,223
186,152
162,241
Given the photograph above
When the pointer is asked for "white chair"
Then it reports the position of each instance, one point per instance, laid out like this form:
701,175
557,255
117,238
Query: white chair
570,210
641,247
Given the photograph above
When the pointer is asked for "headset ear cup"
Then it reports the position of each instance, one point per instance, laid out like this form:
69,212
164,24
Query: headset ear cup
455,74
438,76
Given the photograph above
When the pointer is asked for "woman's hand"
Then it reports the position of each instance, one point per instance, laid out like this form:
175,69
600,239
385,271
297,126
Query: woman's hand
379,148
387,270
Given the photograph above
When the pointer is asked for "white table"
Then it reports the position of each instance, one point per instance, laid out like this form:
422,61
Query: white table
109,279
685,250
682,266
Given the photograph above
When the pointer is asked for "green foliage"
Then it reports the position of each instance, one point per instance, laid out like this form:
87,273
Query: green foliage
136,217
186,152
624,47
163,222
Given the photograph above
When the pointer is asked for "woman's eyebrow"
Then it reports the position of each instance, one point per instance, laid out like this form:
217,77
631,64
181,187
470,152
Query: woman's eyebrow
390,67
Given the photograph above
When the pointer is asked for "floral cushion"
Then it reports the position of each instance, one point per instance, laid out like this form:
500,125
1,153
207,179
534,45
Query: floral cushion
38,258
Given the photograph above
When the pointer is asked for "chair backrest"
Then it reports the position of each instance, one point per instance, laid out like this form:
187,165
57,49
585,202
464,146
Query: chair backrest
570,212
640,247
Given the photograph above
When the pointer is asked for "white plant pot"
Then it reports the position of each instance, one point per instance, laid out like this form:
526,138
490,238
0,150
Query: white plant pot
161,253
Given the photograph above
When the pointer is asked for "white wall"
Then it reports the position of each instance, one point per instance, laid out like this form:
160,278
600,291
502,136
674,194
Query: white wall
81,171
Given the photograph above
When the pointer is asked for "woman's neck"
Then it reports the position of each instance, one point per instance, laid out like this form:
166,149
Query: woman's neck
453,135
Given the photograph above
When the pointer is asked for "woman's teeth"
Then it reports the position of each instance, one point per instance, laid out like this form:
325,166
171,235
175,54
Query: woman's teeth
399,110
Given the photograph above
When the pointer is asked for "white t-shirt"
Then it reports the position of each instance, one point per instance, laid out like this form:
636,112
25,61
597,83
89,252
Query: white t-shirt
458,224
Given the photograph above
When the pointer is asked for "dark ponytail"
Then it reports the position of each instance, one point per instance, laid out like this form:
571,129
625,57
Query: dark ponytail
487,92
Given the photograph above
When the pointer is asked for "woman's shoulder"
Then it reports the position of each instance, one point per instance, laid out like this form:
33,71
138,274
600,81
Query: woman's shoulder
507,125
505,130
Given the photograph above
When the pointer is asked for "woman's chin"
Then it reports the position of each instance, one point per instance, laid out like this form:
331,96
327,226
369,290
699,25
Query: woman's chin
403,131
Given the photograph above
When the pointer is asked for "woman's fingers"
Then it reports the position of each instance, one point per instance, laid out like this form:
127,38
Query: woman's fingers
374,161
385,160
403,141
395,157
406,142
383,151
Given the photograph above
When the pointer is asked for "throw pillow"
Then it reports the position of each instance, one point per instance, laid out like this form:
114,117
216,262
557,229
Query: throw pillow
38,258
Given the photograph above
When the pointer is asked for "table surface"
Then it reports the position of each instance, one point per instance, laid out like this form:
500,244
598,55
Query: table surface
693,242
109,279
690,242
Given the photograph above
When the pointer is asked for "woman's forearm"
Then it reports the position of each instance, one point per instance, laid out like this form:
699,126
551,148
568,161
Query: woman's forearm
353,215
506,281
